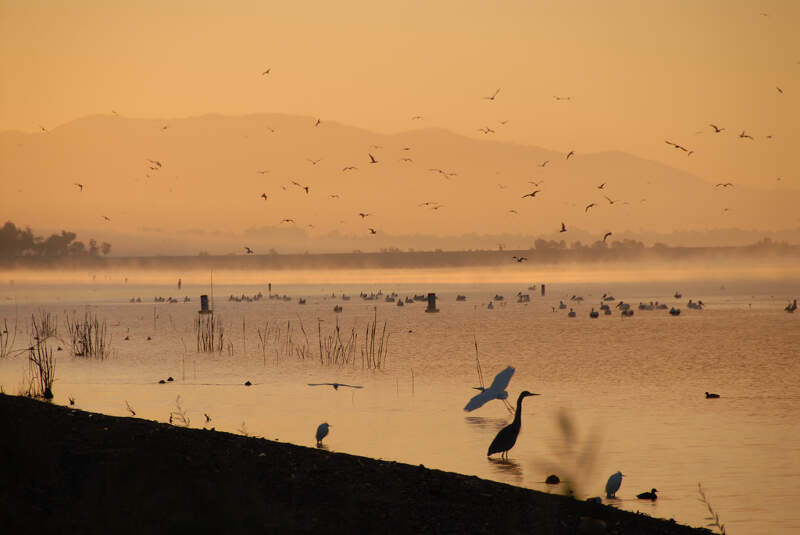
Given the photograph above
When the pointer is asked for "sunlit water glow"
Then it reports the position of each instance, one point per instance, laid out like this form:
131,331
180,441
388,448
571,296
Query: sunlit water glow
631,388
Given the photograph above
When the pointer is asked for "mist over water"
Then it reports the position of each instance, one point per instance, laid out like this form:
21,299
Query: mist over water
632,388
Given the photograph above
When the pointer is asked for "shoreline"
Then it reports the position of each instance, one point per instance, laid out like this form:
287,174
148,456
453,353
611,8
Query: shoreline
70,471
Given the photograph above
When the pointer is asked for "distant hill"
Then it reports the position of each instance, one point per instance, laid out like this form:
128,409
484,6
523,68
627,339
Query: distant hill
202,178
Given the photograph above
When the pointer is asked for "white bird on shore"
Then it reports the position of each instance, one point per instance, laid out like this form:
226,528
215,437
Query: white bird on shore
322,432
497,390
613,484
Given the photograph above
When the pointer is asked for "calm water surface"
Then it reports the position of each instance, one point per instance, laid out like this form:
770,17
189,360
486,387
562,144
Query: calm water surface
631,390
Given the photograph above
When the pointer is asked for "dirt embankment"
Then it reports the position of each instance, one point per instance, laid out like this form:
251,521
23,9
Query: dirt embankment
69,471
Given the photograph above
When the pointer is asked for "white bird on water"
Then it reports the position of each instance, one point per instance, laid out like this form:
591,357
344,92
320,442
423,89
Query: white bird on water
497,390
613,484
322,432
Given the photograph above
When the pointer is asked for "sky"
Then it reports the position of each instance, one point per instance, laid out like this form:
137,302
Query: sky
629,75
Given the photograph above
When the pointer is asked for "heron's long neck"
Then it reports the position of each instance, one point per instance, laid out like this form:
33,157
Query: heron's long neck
518,415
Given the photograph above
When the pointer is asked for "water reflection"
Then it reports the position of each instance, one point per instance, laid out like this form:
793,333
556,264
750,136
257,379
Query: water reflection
486,424
506,467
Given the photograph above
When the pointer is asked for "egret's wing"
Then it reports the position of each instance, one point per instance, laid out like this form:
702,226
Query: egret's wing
479,400
351,386
320,384
501,380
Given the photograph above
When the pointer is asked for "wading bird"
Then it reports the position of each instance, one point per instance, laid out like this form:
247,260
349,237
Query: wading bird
334,385
613,484
322,432
648,495
507,436
497,390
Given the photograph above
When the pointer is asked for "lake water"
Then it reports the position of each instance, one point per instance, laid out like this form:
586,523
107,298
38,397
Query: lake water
630,389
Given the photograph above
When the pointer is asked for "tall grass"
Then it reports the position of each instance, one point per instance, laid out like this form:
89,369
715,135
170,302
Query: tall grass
7,339
210,333
376,349
89,336
41,362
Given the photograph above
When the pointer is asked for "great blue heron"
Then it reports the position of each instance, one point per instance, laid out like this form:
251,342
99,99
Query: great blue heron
322,432
507,436
613,483
648,495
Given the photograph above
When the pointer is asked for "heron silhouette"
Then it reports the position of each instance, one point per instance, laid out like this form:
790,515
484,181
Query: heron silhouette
613,484
507,436
322,432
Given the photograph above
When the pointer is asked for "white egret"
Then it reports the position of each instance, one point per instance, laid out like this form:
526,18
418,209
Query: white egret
497,390
613,484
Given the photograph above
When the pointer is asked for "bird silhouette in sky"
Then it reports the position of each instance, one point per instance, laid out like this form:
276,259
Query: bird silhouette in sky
407,160
417,117
486,130
372,230
677,146
562,98
80,186
287,220
723,185
544,163
372,159
716,128
164,127
519,258
334,385
300,186
588,206
779,89
43,128
571,153
363,215
248,250
535,183
262,172
106,218
333,195
601,186
610,201
503,122
563,227
349,168
314,162
513,211
264,196
531,194
156,163
318,122
494,95
606,235
266,72
745,135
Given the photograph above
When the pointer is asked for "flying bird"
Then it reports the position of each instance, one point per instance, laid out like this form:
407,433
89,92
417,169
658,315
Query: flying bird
300,186
287,220
493,95
520,259
606,235
314,162
334,385
349,168
363,215
264,196
266,72
165,127
609,200
716,128
318,122
372,159
333,195
43,128
248,250
571,153
406,159
744,135
544,163
513,212
497,390
417,117
601,186
156,163
372,230
563,227
486,130
106,218
724,185
80,186
779,89
562,98
531,194
588,206
535,183
507,436
263,172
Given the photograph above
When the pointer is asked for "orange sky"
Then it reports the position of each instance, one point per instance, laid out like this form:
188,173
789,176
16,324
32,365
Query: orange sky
638,73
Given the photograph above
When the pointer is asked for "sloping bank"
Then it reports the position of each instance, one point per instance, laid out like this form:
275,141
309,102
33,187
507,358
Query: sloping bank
69,471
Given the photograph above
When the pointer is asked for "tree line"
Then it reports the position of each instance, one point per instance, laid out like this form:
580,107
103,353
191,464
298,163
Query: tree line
16,241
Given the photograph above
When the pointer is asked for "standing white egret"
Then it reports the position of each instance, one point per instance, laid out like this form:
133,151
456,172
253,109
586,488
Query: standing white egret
497,390
613,484
322,432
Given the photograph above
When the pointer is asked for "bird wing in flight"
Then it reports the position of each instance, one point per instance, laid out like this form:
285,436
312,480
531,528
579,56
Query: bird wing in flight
501,380
479,400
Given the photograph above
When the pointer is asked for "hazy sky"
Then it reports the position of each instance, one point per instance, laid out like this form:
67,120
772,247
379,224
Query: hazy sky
637,72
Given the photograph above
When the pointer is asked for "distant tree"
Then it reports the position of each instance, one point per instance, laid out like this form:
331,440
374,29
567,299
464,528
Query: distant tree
77,248
93,248
105,248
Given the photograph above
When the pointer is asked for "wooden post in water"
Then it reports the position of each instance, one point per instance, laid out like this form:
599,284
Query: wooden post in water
542,289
